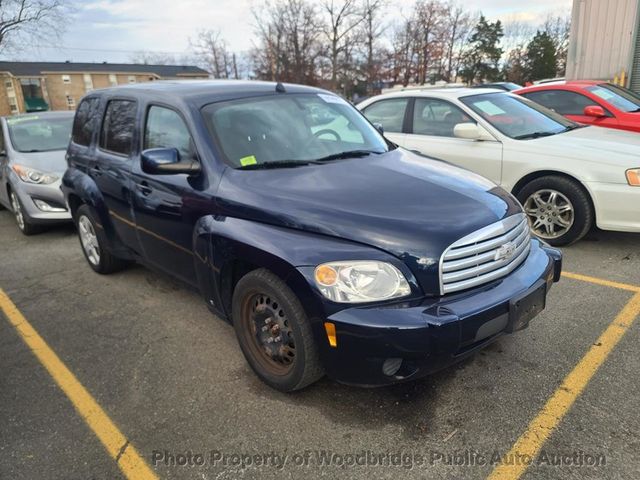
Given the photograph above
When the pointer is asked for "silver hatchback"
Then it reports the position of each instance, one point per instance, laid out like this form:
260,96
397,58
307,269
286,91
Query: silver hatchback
32,162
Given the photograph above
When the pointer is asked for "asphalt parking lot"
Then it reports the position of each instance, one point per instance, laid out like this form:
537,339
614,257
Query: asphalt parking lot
172,380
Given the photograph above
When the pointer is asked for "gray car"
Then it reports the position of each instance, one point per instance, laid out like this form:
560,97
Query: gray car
32,162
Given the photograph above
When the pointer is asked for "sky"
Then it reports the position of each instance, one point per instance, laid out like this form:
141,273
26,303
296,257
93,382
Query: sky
113,30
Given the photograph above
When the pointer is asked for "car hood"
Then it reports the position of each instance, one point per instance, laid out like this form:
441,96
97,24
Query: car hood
48,162
606,146
408,205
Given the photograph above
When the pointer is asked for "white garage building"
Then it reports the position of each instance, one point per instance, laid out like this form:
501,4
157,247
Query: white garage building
605,42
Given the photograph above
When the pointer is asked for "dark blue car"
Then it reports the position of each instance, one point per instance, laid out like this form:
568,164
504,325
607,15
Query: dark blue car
328,248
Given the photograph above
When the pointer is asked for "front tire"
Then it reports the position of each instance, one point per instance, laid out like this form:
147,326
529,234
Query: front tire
274,333
23,222
93,243
558,208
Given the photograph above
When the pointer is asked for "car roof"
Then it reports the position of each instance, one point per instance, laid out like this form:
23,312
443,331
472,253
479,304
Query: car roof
202,92
450,93
578,84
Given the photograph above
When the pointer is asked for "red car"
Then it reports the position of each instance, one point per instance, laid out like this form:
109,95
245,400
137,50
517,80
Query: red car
589,102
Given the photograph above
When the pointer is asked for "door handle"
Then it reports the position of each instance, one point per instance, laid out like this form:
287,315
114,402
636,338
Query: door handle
144,188
96,170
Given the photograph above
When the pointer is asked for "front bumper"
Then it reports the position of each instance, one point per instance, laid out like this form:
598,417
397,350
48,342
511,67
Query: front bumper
617,206
50,194
431,334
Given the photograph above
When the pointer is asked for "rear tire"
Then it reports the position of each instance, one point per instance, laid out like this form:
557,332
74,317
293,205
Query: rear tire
93,243
274,333
558,208
24,224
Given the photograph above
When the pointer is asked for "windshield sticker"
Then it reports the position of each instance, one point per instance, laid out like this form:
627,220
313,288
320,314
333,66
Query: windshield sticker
12,121
489,108
332,99
250,160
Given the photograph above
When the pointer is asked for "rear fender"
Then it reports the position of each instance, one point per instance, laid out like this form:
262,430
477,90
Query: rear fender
79,188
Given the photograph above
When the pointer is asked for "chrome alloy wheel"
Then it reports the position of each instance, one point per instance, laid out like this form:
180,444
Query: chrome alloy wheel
89,240
551,213
17,210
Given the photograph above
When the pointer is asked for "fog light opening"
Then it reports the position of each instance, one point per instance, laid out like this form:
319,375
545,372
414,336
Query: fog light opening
45,207
391,366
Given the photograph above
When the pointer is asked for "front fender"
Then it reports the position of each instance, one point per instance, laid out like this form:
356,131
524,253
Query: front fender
220,243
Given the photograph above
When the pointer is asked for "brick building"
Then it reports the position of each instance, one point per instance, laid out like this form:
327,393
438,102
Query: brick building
38,86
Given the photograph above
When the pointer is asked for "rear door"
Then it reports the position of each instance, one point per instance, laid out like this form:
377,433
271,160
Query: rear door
111,169
431,133
392,114
167,207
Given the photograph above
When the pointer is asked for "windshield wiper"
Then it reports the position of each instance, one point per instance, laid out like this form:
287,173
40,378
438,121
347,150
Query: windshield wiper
346,155
574,127
277,164
534,135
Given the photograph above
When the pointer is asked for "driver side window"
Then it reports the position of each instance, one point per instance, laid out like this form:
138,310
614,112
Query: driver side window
437,117
166,129
388,113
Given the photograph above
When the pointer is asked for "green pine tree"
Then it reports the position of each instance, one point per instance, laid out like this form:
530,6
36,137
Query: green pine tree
481,63
542,61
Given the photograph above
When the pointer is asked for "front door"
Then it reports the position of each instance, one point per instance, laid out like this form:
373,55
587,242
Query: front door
431,133
167,207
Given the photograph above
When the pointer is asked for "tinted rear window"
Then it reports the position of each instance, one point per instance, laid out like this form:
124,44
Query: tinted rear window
118,126
85,121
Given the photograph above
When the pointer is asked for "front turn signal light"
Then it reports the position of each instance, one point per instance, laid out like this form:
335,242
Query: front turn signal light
633,177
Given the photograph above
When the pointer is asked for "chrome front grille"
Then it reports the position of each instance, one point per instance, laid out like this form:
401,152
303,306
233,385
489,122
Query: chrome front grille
485,255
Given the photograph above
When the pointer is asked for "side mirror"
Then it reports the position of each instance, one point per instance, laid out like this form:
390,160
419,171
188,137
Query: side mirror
595,111
471,131
379,127
166,161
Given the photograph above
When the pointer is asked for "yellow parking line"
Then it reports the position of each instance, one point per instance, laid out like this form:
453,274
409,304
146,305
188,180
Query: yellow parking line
540,428
119,448
601,281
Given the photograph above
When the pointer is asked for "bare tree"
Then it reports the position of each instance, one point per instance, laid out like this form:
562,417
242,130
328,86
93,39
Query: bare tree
459,27
213,52
153,58
35,19
343,17
558,28
373,29
288,47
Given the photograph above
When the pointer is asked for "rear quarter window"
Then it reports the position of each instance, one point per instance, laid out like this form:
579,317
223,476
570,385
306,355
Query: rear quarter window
85,121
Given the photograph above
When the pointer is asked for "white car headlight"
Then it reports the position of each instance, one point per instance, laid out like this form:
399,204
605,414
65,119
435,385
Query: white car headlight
31,175
360,281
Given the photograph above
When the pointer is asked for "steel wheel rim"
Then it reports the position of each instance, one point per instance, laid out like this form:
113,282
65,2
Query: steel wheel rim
550,212
89,240
268,332
17,210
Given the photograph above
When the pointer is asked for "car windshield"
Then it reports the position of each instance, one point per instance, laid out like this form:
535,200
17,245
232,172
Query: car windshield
31,134
287,130
621,98
517,117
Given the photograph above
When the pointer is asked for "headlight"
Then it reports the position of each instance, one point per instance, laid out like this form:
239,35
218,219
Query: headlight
633,177
360,281
31,175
